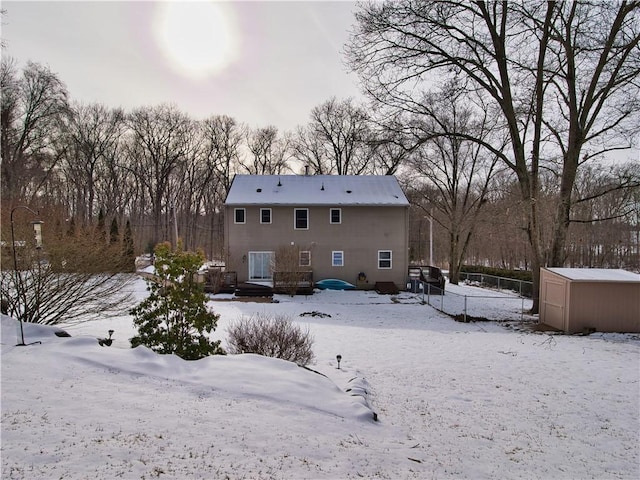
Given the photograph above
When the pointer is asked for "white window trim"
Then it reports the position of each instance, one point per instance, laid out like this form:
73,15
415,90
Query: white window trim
390,260
295,227
235,217
250,265
331,216
300,264
333,263
270,216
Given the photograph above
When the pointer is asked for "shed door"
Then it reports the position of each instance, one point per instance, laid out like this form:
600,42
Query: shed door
260,266
553,303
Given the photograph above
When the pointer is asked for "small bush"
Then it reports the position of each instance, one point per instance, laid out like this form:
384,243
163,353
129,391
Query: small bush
272,337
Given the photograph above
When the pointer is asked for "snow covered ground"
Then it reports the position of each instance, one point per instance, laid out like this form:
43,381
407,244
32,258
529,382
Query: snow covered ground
454,400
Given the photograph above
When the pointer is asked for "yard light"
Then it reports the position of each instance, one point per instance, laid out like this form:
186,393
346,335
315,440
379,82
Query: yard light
106,341
37,227
338,358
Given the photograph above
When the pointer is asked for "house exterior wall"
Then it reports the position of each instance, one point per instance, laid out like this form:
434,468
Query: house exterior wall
576,305
362,232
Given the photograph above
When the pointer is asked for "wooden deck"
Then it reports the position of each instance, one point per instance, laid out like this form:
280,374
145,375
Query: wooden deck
252,290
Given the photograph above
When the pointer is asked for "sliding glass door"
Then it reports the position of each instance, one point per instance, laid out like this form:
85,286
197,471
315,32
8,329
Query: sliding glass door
261,266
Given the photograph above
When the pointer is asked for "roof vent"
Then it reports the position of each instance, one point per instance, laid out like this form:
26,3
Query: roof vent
322,188
348,191
279,182
258,190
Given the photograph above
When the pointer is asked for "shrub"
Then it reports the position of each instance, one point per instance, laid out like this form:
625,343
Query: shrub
272,337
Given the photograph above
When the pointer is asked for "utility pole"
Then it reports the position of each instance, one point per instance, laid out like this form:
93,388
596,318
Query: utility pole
431,238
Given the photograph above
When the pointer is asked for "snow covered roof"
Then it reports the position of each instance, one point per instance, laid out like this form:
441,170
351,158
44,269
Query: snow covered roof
382,190
597,274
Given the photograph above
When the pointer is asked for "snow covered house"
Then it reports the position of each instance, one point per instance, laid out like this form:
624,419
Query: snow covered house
584,299
348,227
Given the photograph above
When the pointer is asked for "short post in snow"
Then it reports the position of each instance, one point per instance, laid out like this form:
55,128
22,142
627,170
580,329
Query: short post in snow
338,358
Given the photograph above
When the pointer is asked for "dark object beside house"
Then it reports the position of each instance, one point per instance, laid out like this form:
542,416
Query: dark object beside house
430,277
386,288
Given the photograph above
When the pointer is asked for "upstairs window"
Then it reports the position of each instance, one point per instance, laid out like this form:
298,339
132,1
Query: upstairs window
384,259
265,215
335,215
337,258
305,258
301,218
240,215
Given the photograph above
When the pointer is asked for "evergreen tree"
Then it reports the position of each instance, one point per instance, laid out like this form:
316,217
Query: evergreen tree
128,251
114,234
174,317
101,227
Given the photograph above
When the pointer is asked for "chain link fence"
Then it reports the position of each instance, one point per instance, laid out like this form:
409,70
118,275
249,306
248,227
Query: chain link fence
466,304
521,287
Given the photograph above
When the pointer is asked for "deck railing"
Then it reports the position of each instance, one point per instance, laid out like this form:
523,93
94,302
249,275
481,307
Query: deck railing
293,282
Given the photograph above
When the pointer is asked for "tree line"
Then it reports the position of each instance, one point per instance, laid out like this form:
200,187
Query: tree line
155,166
498,119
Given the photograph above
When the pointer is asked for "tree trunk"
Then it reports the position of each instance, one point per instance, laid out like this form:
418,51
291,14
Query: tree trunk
454,259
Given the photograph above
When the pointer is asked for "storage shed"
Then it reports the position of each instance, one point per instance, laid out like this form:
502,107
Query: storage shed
584,299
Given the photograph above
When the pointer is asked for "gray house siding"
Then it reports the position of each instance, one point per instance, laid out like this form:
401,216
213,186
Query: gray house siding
373,215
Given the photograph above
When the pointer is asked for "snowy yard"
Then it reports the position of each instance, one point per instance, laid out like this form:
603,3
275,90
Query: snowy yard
454,400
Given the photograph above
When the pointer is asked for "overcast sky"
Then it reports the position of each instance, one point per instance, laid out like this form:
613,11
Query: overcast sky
263,63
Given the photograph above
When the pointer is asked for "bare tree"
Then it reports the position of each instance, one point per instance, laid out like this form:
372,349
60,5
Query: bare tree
269,152
289,274
34,105
93,135
73,277
159,142
223,137
562,78
459,172
604,217
337,140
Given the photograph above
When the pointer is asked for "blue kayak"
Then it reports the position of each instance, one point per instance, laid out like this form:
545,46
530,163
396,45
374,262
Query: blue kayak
334,284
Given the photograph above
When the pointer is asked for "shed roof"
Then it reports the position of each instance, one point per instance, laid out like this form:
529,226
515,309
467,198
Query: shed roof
382,190
597,274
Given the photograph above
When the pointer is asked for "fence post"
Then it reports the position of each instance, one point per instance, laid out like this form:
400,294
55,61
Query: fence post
465,309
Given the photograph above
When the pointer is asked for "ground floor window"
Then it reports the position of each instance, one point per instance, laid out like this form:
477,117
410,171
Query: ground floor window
337,258
261,265
384,259
305,258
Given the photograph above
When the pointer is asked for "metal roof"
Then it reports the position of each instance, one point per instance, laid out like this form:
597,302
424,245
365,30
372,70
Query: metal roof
596,274
382,190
